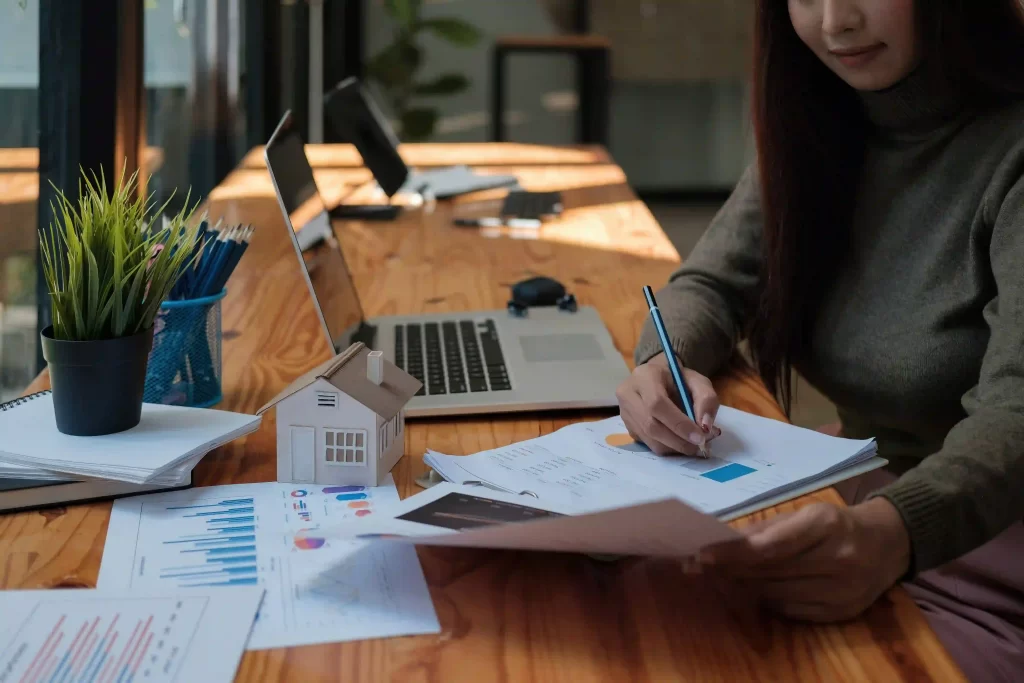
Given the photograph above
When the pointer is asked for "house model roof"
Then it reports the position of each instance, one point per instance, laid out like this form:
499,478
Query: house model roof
348,372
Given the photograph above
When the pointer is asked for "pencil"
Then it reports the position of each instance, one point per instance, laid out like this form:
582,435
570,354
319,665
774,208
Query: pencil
673,366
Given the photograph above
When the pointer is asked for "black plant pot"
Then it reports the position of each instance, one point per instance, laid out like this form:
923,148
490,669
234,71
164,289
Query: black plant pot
97,385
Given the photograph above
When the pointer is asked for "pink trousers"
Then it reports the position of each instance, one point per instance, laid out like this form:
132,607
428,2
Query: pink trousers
975,604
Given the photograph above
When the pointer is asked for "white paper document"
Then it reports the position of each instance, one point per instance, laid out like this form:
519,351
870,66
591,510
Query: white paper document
464,516
95,636
167,437
596,465
318,589
175,476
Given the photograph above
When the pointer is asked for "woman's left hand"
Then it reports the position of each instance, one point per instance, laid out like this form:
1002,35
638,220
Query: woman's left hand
820,563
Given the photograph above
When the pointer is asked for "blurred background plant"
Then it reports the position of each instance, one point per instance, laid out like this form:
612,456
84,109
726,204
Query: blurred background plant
396,67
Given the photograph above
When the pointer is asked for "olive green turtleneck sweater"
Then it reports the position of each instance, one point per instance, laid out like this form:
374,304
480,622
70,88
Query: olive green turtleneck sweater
920,341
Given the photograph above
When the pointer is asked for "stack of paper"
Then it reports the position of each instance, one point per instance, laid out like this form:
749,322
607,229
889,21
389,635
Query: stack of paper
175,476
161,449
756,462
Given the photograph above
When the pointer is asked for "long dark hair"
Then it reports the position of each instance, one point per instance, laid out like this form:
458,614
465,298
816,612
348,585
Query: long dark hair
811,133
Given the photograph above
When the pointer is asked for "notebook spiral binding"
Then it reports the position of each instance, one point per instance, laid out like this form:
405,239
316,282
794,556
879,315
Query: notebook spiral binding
11,405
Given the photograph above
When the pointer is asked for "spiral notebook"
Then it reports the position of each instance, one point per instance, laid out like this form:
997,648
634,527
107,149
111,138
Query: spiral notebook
159,451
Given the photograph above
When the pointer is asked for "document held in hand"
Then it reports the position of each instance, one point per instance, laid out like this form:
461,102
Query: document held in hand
477,517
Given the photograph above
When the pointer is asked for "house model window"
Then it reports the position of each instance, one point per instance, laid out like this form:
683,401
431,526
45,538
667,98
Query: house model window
345,446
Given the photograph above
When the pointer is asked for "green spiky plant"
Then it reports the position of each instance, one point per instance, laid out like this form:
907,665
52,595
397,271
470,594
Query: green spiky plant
107,263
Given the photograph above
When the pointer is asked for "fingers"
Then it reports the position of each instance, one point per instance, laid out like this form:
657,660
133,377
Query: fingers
778,540
667,423
654,435
673,444
796,533
638,422
653,417
705,400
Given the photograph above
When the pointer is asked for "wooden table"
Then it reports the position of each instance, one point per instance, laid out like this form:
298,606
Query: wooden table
504,616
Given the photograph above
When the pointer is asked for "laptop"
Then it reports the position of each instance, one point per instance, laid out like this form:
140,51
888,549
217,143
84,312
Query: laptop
356,116
471,362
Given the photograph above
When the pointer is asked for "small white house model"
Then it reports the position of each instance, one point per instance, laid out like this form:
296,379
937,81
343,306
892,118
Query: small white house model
343,422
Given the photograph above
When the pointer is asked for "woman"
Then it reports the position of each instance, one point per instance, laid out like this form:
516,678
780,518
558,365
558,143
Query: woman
878,247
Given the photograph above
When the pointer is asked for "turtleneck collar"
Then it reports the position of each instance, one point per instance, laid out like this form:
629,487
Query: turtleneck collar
922,101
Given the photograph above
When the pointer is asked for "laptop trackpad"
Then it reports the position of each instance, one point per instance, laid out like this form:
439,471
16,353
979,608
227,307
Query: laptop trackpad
543,348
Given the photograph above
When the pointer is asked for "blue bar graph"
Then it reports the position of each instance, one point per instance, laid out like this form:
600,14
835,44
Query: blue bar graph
239,581
210,543
228,540
217,551
215,560
214,513
219,558
231,520
223,571
223,503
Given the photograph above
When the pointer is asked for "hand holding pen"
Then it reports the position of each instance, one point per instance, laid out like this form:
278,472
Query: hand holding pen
667,407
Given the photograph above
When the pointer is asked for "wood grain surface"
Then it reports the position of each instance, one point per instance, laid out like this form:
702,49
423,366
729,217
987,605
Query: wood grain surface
504,616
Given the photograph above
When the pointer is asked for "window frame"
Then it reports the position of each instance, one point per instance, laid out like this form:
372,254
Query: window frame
358,448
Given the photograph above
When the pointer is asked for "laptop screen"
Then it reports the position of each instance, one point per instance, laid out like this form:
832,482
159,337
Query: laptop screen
315,241
356,118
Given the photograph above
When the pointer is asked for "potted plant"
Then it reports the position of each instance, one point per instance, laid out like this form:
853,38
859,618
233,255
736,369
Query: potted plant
107,266
395,67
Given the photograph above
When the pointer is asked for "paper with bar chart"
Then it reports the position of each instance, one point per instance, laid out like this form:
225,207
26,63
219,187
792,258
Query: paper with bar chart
93,636
318,590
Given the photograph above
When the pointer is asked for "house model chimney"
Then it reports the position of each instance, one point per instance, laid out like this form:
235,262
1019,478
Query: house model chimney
375,367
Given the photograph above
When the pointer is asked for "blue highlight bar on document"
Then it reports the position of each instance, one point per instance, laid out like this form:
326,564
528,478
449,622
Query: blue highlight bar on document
733,470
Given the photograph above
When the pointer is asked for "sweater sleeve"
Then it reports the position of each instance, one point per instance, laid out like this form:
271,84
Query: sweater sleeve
971,489
709,299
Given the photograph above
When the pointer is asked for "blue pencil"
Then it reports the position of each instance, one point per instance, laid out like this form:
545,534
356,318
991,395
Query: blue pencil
240,241
670,358
216,261
216,254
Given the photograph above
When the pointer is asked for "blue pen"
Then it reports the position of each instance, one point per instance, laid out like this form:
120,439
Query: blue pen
670,358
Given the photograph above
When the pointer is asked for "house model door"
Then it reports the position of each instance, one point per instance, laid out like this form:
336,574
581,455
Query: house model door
303,447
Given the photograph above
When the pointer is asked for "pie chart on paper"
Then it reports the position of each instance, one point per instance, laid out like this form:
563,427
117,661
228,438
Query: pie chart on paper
624,442
304,541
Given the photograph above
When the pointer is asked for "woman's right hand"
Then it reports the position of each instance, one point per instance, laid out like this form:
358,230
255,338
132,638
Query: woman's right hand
648,403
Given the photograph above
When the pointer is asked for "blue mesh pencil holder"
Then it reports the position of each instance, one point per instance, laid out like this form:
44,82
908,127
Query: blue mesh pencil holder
185,363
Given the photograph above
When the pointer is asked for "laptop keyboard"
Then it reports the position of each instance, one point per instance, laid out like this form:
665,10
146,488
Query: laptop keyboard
452,357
